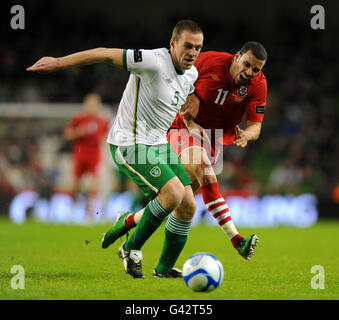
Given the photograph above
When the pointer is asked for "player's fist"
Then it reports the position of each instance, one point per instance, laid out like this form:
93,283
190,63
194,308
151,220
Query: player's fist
45,65
241,137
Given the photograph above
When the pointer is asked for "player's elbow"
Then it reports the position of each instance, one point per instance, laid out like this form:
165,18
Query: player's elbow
109,55
102,54
101,50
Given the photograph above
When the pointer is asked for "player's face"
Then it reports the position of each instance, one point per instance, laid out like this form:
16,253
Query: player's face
92,103
185,49
245,66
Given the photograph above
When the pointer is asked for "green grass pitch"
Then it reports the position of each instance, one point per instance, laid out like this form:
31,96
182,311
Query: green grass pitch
67,262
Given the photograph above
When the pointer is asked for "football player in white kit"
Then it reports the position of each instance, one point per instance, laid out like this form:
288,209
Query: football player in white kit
160,82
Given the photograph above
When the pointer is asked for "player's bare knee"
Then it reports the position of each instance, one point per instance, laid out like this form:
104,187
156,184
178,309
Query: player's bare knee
190,206
201,169
178,195
186,210
172,194
200,165
187,207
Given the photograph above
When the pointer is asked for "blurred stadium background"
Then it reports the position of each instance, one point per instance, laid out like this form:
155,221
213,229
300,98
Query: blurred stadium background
289,176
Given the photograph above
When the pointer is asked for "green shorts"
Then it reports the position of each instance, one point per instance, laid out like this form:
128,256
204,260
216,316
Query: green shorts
150,167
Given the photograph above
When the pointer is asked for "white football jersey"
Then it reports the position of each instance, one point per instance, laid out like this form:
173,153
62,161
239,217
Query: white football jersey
153,96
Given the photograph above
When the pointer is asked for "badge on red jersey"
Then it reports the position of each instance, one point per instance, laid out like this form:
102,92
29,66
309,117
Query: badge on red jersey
242,91
260,109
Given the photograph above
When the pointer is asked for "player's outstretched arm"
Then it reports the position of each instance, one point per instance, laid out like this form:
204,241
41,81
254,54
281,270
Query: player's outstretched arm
113,57
251,132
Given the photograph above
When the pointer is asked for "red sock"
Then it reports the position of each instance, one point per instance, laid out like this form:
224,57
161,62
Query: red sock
217,206
215,202
130,223
234,240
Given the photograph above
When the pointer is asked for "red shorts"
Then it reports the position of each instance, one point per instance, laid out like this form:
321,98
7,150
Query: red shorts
181,139
84,165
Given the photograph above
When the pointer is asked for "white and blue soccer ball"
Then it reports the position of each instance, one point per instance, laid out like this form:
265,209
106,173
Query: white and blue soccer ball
203,272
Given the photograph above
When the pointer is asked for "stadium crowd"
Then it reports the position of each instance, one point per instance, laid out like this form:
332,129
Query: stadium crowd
298,148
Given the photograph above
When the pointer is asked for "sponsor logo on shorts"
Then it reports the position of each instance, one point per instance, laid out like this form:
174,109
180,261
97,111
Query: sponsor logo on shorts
155,172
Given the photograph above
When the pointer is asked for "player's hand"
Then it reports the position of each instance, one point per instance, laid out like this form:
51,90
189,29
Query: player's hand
190,109
45,65
241,137
197,131
187,114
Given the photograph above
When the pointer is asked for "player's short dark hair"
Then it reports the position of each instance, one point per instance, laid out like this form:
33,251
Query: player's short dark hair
183,25
257,49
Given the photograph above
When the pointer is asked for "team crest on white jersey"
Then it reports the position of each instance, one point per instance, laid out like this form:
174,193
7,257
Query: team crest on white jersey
187,87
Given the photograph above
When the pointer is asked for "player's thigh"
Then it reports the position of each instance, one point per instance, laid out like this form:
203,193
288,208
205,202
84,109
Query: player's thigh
195,183
181,141
198,166
140,166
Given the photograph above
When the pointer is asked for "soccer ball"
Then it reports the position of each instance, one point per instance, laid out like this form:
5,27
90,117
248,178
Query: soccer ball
202,272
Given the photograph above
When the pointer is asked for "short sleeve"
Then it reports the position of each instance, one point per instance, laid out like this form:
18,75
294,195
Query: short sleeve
140,62
257,103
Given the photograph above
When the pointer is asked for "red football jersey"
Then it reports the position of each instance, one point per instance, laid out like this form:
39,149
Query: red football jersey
223,103
97,128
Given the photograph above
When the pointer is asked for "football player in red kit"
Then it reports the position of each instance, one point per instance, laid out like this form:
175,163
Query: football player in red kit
228,88
87,131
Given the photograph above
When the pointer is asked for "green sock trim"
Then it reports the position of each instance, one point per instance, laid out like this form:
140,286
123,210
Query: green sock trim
178,226
176,234
157,210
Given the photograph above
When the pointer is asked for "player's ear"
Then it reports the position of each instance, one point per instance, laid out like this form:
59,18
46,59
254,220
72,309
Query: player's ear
171,43
237,55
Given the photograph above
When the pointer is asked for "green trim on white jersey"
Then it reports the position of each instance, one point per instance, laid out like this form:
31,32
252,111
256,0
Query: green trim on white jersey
124,59
136,109
153,96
